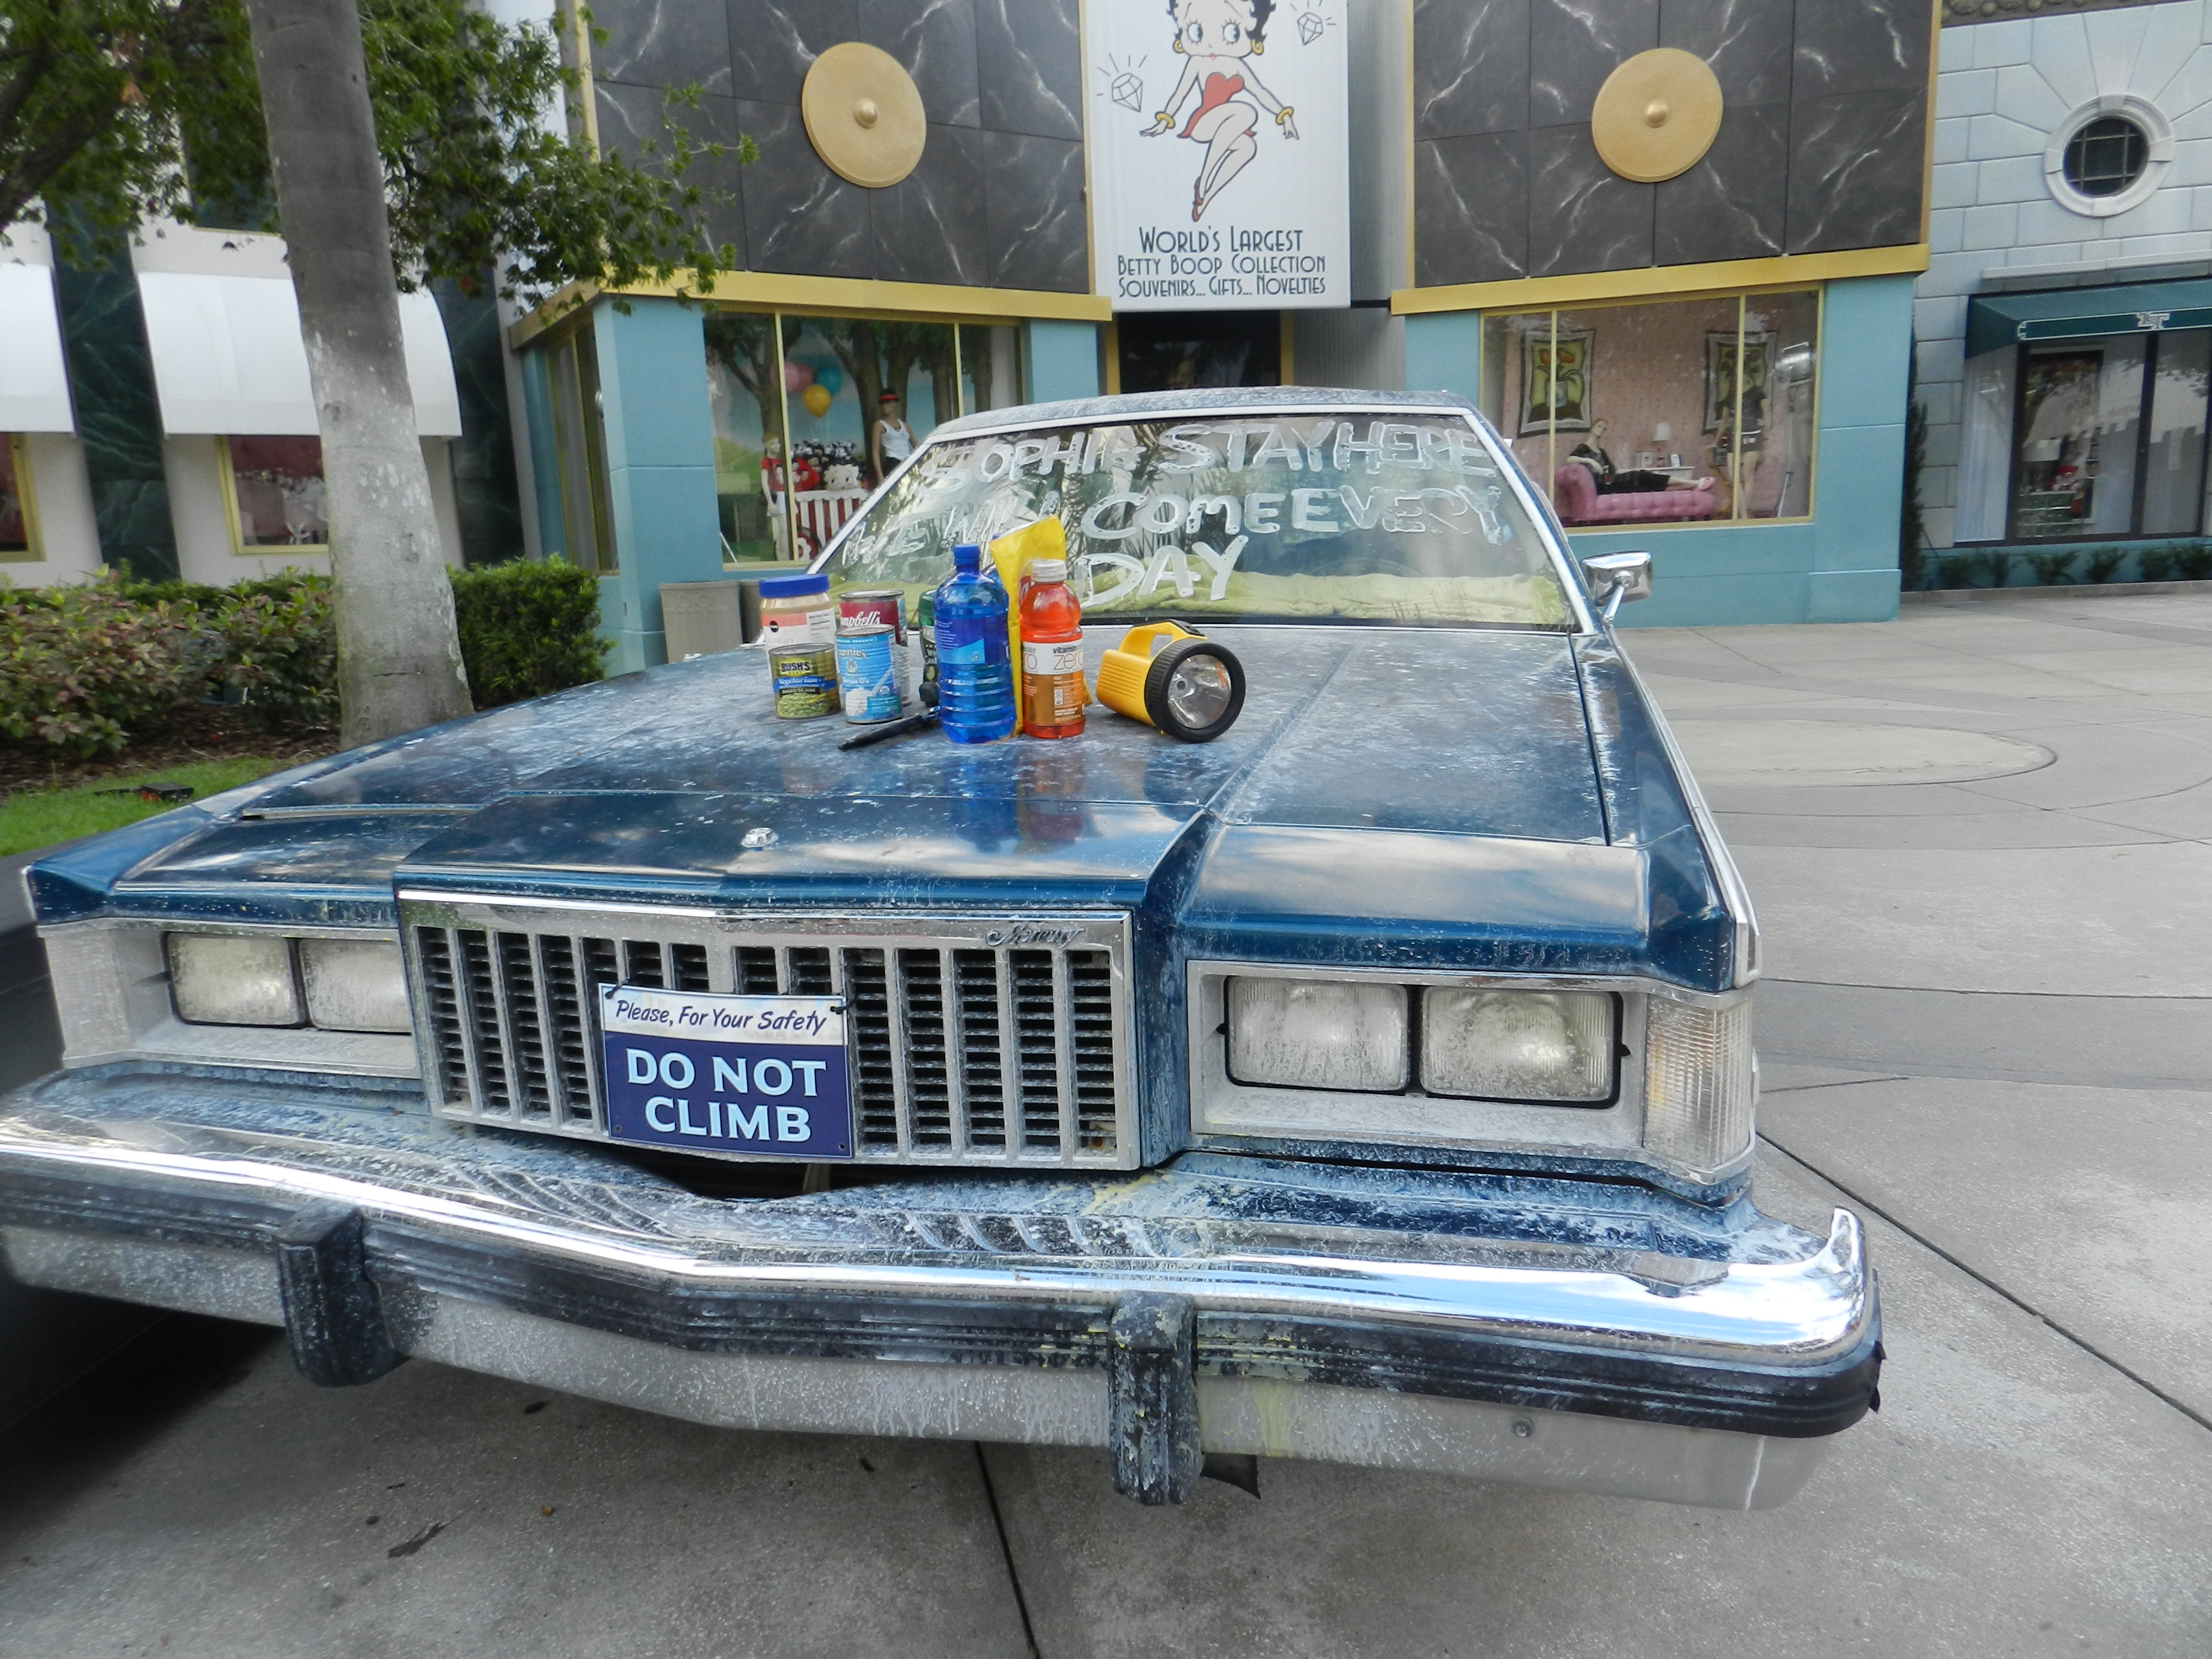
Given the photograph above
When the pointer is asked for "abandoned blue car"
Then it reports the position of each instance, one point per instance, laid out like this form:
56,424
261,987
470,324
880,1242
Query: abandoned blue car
1372,1083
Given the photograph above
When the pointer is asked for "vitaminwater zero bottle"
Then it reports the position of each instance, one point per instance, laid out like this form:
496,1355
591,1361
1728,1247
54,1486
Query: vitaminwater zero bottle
975,680
1052,653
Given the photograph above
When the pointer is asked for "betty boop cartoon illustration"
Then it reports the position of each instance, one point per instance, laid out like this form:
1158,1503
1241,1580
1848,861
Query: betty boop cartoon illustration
1220,39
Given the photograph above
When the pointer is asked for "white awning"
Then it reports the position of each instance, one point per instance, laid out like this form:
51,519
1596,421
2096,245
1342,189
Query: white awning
34,381
229,356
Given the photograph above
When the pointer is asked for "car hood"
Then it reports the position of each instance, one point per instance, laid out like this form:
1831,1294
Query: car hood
1385,776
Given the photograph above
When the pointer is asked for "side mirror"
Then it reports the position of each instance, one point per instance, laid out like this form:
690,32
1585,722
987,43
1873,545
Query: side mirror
1616,577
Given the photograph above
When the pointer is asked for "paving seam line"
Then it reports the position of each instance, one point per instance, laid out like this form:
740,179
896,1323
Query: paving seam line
1987,1283
1005,1548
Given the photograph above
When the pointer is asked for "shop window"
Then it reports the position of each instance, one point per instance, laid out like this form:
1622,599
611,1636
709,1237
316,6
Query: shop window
1685,411
276,499
2106,439
810,413
1174,350
580,450
19,516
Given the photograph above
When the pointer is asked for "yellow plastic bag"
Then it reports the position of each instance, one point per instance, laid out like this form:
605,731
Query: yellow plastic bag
1011,555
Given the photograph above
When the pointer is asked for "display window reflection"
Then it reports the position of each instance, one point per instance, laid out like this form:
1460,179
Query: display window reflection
276,494
810,413
1682,411
19,519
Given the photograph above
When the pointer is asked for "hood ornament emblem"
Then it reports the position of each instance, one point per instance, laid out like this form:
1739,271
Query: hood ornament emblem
758,838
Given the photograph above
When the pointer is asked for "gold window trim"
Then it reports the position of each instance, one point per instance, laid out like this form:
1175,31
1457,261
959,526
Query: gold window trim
239,546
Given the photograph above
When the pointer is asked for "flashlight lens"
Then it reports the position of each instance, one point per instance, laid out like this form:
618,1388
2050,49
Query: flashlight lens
1199,691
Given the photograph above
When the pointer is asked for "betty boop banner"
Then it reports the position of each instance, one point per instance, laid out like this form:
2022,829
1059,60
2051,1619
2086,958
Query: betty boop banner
1218,173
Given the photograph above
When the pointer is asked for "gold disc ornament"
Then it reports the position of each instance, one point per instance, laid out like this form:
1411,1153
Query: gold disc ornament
863,115
1656,115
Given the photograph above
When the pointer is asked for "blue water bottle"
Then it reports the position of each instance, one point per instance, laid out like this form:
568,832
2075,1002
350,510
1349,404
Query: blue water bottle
974,673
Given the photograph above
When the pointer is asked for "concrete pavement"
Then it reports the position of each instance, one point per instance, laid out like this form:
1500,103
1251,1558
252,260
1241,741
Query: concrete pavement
1980,840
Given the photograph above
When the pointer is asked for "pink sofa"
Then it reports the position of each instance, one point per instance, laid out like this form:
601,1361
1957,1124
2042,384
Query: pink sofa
1574,495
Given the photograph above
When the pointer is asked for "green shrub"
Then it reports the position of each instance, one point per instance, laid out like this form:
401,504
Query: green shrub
82,664
279,650
1962,569
2105,563
2154,564
2051,569
527,628
2195,563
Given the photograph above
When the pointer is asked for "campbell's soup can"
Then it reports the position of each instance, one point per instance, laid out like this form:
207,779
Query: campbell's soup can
867,671
805,681
884,605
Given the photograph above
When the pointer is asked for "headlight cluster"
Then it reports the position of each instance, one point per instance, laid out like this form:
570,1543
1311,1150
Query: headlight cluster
1558,1047
1667,1080
265,979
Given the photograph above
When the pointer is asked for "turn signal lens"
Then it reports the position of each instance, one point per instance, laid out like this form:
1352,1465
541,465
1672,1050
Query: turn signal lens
1317,1034
232,978
1700,1083
354,985
1517,1045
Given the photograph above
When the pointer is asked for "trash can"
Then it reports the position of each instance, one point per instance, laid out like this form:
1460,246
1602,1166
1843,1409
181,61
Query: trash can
700,618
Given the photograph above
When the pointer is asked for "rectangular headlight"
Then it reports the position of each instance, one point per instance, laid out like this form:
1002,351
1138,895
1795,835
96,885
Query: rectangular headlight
1318,1033
232,978
1700,1084
1518,1045
354,985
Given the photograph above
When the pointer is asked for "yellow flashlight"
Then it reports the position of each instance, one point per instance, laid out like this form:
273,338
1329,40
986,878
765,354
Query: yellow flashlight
1176,678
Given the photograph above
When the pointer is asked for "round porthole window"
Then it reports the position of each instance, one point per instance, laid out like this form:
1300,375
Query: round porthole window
2107,157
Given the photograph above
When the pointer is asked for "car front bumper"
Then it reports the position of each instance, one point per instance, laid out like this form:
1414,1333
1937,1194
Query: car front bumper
1577,1336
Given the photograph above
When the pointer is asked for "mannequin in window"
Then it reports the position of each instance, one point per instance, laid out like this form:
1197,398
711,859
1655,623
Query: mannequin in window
1590,453
894,438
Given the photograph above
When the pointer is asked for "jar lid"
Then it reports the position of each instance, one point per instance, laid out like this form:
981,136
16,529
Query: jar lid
1049,570
785,587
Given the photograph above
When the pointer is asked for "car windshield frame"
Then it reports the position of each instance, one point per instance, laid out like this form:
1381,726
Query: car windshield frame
1580,618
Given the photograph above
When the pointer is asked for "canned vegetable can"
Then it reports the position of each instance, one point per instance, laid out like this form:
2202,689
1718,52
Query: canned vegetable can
805,681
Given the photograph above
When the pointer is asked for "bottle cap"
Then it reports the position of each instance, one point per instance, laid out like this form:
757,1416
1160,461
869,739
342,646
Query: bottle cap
967,556
785,587
1049,570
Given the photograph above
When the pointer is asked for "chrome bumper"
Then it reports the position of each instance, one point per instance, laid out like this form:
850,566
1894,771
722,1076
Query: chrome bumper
1554,1333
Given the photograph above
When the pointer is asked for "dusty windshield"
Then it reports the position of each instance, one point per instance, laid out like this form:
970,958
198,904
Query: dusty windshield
1373,518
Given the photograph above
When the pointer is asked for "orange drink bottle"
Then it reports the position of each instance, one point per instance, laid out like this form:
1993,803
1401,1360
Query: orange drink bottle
1053,692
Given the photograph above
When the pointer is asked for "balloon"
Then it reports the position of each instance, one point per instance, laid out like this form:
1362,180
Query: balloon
816,400
829,378
796,376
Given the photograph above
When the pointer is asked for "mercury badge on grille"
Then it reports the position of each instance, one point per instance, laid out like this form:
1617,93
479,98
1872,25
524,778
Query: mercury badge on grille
726,1074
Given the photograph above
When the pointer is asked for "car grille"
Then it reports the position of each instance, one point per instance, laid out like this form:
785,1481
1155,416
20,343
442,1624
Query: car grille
973,1041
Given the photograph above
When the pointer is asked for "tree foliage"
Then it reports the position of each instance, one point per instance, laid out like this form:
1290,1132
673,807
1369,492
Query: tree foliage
128,108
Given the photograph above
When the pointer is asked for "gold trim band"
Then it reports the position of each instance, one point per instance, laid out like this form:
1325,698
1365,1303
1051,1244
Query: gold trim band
1544,292
845,296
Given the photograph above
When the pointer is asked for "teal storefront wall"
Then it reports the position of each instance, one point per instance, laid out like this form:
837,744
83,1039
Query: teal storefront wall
1840,565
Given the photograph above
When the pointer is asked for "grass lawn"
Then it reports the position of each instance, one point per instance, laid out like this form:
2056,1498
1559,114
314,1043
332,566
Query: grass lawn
39,817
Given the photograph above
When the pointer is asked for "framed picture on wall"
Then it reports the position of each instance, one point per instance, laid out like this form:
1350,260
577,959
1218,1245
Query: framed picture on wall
1555,382
1720,382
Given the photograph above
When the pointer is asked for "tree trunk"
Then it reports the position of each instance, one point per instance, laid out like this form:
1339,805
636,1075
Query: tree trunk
399,655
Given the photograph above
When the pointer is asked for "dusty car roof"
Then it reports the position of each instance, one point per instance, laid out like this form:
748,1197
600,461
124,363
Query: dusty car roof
1202,400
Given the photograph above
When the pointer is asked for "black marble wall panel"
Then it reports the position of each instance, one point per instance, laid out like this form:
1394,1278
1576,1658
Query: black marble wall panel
1821,145
1573,45
631,118
1030,56
935,40
485,496
1860,46
118,416
1855,171
1001,86
1033,204
1732,205
663,43
1583,215
1475,74
926,227
1746,43
1470,200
